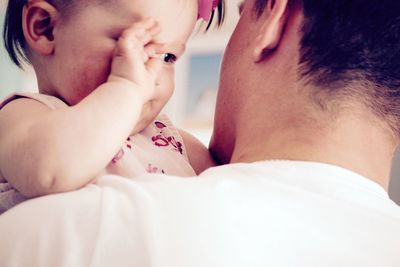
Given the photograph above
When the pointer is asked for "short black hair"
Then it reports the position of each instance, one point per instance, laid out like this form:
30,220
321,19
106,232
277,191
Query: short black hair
13,36
352,42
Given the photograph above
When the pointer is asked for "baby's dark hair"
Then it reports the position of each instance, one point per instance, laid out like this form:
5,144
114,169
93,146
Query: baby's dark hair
13,36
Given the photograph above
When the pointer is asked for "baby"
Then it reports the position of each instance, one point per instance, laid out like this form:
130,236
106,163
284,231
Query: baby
105,69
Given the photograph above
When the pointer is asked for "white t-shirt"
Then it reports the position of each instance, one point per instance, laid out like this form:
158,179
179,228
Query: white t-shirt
272,213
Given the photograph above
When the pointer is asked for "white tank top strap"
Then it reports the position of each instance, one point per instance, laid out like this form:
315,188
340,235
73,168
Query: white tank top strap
47,100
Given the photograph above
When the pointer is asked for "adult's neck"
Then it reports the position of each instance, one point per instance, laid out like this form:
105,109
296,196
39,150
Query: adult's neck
351,141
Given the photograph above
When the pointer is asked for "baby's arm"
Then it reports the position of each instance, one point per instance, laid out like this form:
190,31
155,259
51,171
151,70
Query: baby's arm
48,151
199,156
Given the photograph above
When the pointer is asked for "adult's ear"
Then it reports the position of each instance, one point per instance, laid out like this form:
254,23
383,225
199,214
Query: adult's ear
38,21
273,21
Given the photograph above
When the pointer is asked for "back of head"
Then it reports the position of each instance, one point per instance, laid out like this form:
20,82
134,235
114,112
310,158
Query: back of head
351,49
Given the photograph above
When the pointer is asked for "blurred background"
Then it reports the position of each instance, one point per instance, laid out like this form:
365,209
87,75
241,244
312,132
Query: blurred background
193,102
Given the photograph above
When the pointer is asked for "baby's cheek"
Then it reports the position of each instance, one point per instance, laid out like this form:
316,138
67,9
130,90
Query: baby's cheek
93,74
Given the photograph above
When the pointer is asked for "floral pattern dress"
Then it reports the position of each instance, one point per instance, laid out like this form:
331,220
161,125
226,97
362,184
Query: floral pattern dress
158,148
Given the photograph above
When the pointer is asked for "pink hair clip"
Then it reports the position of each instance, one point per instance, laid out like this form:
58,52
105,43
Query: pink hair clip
206,7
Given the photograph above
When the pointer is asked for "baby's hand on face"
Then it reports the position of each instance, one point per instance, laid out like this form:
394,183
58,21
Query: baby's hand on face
134,63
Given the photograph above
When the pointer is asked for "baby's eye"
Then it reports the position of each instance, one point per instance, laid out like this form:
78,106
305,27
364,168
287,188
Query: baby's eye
169,58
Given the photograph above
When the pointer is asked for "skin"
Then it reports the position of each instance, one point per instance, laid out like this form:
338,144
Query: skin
86,43
271,112
107,71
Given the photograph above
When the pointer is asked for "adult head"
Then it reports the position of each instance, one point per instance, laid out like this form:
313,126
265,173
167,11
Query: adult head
313,80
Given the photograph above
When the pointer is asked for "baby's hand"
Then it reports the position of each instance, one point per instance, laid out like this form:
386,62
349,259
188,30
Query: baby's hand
134,63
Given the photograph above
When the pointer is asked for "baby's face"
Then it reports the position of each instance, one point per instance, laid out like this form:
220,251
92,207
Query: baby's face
85,41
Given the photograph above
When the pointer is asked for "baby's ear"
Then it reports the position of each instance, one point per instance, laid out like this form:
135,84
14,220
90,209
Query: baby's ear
38,21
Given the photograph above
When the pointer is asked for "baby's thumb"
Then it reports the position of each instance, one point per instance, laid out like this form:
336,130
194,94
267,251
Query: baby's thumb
154,66
155,62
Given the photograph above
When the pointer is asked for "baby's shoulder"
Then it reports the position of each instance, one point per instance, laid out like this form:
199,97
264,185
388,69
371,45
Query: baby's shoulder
22,108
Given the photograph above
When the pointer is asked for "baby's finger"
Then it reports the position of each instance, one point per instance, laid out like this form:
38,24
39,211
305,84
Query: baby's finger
128,46
154,66
154,49
155,63
144,37
146,23
143,34
155,29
